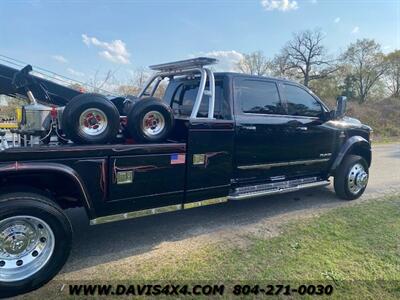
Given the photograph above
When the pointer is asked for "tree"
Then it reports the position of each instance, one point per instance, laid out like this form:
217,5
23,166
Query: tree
135,82
101,85
366,64
280,67
392,75
77,86
254,63
304,57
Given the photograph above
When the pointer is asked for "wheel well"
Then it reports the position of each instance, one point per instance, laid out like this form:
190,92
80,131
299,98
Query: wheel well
363,152
56,186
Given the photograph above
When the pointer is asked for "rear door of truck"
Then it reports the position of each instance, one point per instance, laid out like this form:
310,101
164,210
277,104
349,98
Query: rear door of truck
209,142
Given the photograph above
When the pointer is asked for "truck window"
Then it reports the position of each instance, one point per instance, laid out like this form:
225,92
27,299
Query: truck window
184,96
300,102
258,97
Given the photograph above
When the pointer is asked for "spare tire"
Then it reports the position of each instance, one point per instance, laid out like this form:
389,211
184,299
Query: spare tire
150,120
90,119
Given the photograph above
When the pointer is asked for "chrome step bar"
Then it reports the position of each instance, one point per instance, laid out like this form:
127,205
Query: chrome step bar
276,188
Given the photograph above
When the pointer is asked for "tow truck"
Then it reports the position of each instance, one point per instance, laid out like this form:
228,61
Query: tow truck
212,138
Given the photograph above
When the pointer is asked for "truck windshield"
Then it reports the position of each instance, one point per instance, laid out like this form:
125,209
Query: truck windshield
181,95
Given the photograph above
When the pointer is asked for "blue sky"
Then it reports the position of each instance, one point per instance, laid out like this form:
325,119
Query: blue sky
76,38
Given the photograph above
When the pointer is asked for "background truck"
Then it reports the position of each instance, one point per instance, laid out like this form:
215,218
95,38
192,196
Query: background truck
234,137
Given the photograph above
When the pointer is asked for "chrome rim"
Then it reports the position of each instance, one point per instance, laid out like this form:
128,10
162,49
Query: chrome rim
357,178
153,123
26,245
93,122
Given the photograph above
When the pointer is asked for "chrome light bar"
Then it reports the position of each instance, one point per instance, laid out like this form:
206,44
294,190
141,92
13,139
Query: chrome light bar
193,63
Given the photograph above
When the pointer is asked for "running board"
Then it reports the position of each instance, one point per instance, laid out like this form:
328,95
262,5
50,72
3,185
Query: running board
247,192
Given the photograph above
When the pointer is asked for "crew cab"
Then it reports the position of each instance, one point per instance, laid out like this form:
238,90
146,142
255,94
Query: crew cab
234,137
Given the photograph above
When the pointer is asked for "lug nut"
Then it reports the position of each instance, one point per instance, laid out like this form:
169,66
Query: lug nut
35,253
2,263
19,263
43,239
40,226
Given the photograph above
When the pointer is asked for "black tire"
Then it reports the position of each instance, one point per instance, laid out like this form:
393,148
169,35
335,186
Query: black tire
145,107
341,181
41,207
84,103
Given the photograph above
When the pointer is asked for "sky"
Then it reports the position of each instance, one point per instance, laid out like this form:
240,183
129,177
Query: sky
78,38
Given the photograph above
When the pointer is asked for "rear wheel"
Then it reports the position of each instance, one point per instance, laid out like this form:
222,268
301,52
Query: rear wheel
35,240
150,120
90,119
352,177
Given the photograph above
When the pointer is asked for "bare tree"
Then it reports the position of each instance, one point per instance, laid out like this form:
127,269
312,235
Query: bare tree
254,63
392,76
305,57
100,83
140,76
365,62
137,81
280,67
77,86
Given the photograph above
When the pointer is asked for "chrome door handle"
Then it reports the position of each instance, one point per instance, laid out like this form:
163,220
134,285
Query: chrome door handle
249,127
302,128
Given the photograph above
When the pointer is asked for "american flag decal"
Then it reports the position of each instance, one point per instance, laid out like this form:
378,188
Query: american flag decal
177,159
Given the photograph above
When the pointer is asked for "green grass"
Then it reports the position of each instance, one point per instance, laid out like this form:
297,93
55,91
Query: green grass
356,249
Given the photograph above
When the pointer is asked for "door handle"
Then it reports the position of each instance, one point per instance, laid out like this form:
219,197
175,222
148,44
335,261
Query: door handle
247,127
302,128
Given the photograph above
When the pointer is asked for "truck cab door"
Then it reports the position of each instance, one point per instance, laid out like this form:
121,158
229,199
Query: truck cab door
261,124
311,136
280,132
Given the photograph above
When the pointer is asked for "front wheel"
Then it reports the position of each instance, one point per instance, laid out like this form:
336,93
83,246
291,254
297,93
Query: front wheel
352,177
35,241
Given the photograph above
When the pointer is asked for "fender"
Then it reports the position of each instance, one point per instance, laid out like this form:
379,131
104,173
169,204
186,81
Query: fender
25,167
347,147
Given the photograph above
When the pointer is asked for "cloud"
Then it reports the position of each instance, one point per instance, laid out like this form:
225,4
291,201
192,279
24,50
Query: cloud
282,5
60,58
355,30
386,48
227,60
114,51
337,20
75,73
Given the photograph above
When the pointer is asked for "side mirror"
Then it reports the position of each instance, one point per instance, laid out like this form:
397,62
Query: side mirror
341,104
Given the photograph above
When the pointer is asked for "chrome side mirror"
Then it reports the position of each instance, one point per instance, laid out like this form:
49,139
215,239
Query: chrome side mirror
341,104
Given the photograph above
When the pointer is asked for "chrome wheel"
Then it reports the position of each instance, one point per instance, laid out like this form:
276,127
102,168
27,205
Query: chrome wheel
357,179
26,245
153,123
93,122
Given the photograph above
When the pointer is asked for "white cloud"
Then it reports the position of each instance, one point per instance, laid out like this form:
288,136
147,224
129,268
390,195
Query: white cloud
227,60
114,51
386,48
75,73
337,20
283,5
355,30
60,58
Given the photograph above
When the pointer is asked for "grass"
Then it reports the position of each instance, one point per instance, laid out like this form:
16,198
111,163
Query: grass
356,249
